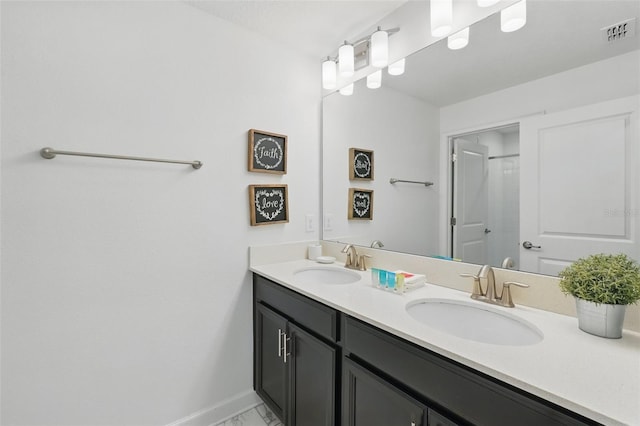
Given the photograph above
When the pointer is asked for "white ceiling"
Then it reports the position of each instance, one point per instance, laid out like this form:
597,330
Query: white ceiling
559,35
313,27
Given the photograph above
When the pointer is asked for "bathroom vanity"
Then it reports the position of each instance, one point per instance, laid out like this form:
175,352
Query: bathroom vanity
349,354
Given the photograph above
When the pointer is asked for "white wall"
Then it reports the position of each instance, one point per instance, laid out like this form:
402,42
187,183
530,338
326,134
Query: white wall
403,133
125,292
584,85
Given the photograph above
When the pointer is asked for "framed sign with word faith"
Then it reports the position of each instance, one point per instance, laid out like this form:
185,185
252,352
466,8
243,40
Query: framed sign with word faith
267,152
360,204
360,164
268,204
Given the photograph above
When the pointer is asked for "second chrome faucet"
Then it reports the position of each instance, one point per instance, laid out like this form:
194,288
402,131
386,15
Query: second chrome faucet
484,288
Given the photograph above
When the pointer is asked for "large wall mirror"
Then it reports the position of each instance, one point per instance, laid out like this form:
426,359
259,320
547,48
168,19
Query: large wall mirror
531,140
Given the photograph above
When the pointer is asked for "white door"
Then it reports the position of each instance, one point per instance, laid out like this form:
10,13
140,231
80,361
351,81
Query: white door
470,201
579,184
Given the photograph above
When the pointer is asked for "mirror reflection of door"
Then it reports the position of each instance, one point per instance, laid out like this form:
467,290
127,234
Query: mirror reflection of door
580,179
486,196
470,201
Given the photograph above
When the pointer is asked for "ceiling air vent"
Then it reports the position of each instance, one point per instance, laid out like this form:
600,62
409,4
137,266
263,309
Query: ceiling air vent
619,31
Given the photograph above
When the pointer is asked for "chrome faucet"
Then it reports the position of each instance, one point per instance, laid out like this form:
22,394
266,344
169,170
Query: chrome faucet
508,263
487,277
352,256
354,261
376,243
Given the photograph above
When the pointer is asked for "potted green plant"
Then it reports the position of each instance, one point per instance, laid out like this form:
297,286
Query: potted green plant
603,285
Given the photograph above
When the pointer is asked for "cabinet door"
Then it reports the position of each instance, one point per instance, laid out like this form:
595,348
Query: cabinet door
312,372
436,419
269,367
368,400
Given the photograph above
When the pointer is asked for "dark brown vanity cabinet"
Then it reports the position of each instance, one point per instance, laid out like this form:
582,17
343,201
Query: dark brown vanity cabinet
465,395
295,355
316,366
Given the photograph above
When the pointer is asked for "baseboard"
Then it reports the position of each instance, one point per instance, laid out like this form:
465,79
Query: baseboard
220,411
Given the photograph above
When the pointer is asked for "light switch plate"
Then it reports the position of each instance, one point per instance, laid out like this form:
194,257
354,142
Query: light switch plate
310,223
328,222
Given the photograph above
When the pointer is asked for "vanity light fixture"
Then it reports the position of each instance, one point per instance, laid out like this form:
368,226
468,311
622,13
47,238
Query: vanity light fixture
396,68
329,74
379,48
347,90
513,17
374,80
487,3
441,17
372,49
458,40
346,63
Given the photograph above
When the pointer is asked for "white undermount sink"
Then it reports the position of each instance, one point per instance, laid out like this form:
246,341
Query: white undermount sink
325,275
473,321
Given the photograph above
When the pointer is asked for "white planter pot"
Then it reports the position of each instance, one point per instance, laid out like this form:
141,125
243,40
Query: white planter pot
600,319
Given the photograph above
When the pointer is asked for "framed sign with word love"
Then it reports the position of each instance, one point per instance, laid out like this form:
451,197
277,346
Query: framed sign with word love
267,152
360,164
268,204
360,204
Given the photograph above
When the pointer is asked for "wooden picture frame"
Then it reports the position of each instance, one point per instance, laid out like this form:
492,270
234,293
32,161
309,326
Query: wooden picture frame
360,164
267,152
360,204
268,204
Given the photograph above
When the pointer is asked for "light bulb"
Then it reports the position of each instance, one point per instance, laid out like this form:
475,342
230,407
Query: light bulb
441,17
458,40
329,74
346,60
487,3
380,49
396,68
347,90
513,17
374,80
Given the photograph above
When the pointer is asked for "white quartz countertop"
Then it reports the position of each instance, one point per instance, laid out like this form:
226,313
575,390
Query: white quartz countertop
596,377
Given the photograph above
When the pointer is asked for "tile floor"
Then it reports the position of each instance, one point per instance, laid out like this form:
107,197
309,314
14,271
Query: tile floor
257,416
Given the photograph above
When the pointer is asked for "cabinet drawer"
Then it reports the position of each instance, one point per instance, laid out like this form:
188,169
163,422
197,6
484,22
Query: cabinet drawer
466,393
312,315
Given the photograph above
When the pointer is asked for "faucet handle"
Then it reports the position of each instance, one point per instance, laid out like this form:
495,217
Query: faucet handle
505,298
477,292
475,277
361,265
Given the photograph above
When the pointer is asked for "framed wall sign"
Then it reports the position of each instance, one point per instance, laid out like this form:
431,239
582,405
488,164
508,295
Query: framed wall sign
267,152
360,204
268,204
360,164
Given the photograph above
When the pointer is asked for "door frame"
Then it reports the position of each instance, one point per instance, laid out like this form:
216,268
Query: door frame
446,174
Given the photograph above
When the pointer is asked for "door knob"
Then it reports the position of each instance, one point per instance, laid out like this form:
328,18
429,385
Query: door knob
528,245
487,230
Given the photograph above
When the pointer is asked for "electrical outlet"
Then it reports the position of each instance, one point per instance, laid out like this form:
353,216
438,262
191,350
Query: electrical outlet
310,223
328,222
